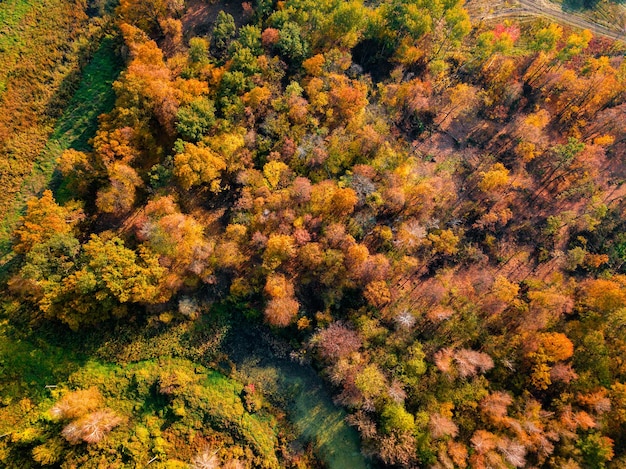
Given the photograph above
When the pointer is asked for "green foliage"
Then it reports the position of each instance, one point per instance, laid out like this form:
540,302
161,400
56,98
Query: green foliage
87,284
396,419
195,119
224,31
291,44
250,38
198,50
151,402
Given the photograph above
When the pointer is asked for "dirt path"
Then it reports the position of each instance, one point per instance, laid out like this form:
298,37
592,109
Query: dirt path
548,10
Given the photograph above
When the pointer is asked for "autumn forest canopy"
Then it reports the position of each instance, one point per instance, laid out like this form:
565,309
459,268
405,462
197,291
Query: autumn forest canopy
420,214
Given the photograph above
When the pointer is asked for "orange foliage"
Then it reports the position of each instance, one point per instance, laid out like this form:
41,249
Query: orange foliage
43,219
281,312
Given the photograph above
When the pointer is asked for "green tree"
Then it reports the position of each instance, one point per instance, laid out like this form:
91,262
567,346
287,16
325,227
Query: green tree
195,119
292,43
224,31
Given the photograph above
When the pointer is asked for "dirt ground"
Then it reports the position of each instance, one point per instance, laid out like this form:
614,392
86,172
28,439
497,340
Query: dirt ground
201,14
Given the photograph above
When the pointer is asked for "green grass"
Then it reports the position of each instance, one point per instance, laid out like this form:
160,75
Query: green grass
319,420
93,97
79,122
28,365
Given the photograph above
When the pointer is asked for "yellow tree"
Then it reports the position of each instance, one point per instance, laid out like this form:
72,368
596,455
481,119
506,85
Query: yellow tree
196,165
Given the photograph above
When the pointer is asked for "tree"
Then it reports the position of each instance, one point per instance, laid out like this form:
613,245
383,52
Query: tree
224,31
377,293
120,272
291,43
346,98
198,50
279,249
44,218
250,38
119,197
88,284
89,421
395,419
495,179
280,312
196,165
546,39
77,403
91,428
194,120
371,382
336,341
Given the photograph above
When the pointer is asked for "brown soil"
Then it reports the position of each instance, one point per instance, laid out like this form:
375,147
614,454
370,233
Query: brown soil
201,14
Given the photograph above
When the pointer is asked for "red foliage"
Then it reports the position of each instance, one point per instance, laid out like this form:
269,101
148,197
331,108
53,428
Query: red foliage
337,341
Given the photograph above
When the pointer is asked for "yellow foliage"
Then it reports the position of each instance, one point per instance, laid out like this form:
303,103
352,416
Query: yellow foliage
538,119
327,198
540,377
236,232
370,381
496,178
606,295
119,197
198,165
273,172
556,346
257,97
527,150
444,242
313,65
279,249
75,404
277,286
604,140
377,293
228,255
191,89
505,290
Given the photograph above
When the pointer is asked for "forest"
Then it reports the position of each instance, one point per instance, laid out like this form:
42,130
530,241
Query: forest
298,234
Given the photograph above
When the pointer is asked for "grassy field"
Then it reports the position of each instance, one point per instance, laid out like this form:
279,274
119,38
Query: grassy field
606,12
12,12
27,365
44,46
78,123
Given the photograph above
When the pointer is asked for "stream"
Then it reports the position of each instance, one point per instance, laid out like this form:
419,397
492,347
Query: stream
310,407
